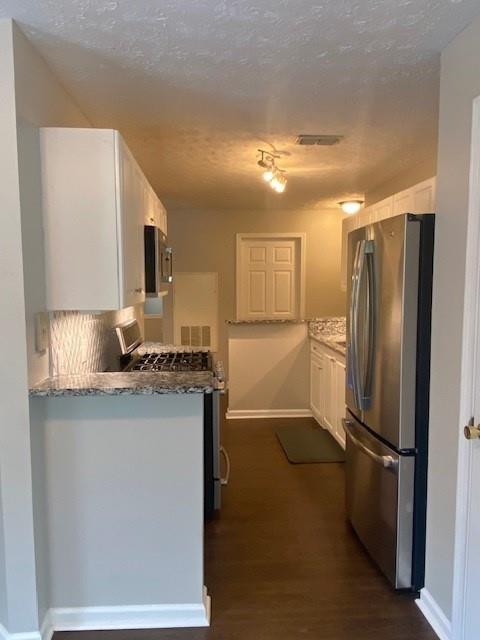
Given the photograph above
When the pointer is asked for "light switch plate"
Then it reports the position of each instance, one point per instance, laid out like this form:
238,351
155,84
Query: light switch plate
41,331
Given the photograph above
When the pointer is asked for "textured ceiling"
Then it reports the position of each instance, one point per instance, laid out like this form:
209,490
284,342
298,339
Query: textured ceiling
196,86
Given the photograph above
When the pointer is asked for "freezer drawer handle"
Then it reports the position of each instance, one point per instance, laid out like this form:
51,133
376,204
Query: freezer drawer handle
386,461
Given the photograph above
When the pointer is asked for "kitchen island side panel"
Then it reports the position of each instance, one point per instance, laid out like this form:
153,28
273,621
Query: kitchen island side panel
122,491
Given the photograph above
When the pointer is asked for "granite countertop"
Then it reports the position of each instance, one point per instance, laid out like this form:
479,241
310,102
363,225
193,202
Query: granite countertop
269,321
125,383
329,331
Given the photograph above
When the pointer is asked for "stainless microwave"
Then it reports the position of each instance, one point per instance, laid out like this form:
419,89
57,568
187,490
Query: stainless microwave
158,260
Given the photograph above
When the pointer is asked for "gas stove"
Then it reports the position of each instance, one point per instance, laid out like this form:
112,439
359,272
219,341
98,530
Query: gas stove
173,361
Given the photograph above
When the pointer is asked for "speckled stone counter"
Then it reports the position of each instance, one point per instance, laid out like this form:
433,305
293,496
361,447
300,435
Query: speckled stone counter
129,383
268,321
330,332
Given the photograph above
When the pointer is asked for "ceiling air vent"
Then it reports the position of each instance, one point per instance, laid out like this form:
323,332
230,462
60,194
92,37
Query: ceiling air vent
310,139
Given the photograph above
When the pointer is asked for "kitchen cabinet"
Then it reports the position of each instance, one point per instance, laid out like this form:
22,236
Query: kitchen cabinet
96,201
417,199
316,373
340,400
382,209
155,212
327,389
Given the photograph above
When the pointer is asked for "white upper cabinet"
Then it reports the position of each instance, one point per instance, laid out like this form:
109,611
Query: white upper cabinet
417,199
403,202
96,201
424,196
382,209
155,212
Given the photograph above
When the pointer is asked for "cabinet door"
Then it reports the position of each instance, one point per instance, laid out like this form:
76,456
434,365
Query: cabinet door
340,401
131,221
151,209
383,209
329,393
403,202
316,363
424,196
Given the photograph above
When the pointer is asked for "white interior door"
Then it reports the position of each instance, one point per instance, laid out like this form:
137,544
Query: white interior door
268,278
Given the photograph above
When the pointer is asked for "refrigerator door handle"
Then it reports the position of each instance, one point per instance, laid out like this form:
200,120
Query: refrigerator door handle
353,360
369,324
388,462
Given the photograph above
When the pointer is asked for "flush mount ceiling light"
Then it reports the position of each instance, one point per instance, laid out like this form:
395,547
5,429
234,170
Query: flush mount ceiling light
274,176
351,206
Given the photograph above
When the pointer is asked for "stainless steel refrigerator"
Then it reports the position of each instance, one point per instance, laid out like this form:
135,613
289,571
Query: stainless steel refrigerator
388,366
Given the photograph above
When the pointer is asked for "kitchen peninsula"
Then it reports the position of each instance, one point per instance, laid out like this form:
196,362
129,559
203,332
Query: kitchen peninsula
118,496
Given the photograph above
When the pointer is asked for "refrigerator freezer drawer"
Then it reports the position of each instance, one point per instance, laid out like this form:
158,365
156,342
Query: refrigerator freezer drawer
380,494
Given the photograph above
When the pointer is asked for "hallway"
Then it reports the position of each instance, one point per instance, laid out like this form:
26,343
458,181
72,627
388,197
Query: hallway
281,561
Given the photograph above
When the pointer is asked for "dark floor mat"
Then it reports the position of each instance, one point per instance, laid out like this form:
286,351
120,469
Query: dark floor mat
306,444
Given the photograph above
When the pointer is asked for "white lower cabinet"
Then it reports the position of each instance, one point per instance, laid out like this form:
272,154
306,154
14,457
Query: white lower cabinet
327,389
339,401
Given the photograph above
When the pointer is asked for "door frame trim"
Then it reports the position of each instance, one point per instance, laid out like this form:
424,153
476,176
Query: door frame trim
469,375
299,236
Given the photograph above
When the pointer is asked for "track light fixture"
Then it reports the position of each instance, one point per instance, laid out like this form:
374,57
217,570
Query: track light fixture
274,176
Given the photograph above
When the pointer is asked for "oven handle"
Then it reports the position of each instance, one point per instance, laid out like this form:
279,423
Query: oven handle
226,457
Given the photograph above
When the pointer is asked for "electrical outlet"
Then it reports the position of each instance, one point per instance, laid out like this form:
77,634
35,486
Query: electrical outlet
41,331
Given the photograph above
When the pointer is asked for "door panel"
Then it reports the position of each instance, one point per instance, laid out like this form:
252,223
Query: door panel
257,292
340,400
403,203
133,208
328,386
315,386
268,278
395,243
379,494
282,292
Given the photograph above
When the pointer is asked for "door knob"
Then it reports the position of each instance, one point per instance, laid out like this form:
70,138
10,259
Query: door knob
471,432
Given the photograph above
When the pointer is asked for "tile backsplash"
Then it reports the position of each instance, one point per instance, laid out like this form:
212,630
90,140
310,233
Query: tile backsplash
85,342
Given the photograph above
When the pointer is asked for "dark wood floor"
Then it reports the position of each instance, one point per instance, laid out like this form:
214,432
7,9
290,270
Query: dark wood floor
281,561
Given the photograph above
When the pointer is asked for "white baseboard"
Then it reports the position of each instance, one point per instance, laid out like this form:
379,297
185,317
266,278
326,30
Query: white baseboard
243,414
434,615
22,635
126,617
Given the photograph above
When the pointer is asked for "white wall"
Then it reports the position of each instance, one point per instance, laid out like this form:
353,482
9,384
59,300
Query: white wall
205,241
40,101
269,368
460,84
19,603
30,97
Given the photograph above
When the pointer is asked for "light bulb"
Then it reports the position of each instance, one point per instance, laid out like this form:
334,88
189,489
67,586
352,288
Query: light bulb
351,206
279,183
268,175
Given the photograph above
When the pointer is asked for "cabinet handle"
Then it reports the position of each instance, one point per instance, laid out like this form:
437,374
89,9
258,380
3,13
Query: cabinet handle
139,290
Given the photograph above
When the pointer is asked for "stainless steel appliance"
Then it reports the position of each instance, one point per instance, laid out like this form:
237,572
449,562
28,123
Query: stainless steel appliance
388,368
158,260
181,360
